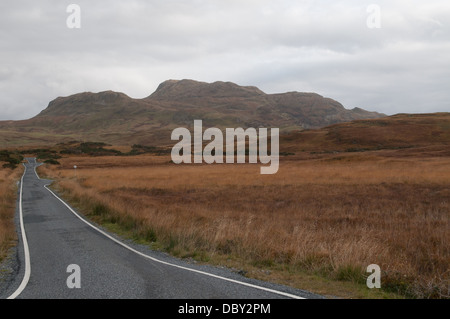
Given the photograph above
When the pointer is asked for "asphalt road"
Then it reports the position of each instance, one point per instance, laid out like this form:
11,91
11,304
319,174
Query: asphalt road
109,267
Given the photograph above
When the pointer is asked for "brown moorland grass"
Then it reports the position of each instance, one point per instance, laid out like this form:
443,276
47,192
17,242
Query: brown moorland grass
330,216
8,179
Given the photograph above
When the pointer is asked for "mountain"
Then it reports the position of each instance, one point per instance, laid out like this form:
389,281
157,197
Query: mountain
175,90
116,118
250,107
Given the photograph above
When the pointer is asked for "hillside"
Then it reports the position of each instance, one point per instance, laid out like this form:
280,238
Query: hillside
116,118
408,133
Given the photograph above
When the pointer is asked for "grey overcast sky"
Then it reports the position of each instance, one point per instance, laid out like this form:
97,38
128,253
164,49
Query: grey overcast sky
330,47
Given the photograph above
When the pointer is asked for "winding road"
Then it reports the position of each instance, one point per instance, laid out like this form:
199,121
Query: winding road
58,249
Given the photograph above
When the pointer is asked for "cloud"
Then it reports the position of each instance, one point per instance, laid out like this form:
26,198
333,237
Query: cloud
322,46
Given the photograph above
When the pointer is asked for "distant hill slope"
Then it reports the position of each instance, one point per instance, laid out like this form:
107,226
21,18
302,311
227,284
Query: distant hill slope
116,118
406,132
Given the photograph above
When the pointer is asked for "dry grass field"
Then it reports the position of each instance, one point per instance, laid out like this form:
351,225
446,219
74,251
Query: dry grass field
8,191
327,216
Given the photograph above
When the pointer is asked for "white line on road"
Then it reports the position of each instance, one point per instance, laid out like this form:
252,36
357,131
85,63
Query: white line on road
27,274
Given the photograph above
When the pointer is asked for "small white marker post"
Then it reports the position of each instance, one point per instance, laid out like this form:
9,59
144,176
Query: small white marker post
75,168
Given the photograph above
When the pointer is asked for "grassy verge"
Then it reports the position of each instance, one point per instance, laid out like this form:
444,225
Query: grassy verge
8,196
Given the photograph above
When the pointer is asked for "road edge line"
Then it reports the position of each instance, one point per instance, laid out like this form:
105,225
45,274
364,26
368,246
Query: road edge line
26,249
